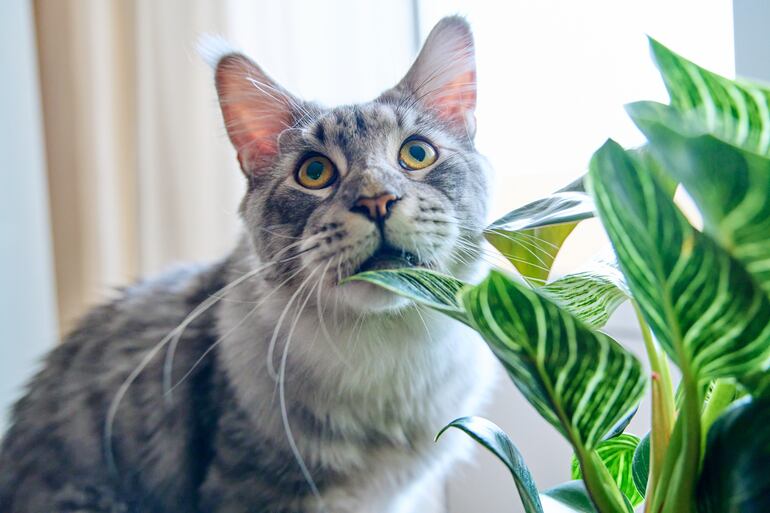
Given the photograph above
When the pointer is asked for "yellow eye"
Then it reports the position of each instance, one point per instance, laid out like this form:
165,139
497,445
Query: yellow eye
416,154
316,172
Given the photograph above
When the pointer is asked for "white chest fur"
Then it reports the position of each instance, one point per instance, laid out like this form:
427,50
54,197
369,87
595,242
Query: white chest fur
396,377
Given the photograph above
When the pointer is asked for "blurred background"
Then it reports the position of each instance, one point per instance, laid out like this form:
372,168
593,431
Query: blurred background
114,163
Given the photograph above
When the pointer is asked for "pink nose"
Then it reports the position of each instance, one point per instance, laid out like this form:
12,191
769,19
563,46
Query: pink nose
376,208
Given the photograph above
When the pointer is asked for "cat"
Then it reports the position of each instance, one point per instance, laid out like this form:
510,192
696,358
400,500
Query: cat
262,383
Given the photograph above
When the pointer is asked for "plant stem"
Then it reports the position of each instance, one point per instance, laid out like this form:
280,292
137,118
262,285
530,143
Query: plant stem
721,396
658,360
663,409
680,488
602,488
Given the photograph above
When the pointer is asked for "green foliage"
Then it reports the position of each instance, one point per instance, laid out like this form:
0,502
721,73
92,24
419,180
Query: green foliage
572,494
617,454
567,371
702,305
429,288
496,441
531,236
591,295
734,475
640,465
734,111
702,298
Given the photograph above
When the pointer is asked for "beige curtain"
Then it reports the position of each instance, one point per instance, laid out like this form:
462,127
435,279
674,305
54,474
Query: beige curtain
141,174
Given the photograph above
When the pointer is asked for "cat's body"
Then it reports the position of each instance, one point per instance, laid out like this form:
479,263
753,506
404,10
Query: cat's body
292,391
207,447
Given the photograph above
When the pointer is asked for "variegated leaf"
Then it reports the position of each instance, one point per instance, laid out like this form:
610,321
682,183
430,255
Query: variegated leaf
496,441
730,186
530,236
617,454
591,295
734,111
706,310
429,288
580,381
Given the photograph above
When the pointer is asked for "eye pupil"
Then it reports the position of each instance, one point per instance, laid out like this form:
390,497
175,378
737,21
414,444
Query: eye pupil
417,152
315,170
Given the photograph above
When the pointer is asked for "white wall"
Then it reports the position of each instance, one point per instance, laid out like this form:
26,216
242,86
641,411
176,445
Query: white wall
27,318
752,44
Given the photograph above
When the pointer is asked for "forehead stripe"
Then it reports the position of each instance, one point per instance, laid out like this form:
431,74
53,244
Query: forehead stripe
320,133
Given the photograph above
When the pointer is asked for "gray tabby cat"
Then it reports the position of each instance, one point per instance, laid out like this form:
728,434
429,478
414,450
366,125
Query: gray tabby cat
262,383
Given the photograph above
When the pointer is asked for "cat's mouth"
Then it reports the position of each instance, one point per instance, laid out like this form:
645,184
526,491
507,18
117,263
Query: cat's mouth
389,257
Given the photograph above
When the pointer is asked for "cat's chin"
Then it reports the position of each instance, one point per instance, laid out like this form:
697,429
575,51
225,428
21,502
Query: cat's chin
366,297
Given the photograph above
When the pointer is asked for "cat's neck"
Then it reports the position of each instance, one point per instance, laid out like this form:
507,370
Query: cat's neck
313,349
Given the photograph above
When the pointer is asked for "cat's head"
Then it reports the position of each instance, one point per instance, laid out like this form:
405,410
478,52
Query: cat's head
395,182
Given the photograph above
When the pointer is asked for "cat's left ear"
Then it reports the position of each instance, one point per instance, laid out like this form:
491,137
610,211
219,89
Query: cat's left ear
443,77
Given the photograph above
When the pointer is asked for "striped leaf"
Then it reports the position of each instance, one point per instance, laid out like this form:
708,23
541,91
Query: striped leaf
429,288
617,455
757,384
496,441
730,186
530,236
580,381
706,310
591,295
734,111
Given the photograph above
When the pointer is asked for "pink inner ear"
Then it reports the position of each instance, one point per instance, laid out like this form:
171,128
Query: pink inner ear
255,111
443,77
456,99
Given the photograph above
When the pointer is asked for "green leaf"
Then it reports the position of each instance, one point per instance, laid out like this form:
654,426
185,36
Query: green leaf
591,295
757,384
617,454
532,252
704,308
621,425
567,205
580,381
572,494
641,465
498,443
735,475
730,186
734,111
530,236
429,288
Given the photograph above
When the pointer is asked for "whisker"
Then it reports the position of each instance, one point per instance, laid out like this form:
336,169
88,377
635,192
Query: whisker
274,339
284,410
123,389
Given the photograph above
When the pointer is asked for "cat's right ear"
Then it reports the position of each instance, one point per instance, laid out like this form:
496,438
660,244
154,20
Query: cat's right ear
255,109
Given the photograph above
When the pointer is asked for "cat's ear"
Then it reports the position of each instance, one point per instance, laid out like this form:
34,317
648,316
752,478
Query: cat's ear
443,77
255,109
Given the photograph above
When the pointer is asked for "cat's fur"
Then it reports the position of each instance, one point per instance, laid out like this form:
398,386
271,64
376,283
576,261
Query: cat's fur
336,409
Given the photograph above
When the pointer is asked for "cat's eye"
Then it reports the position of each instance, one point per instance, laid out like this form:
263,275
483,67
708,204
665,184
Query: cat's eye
416,154
316,172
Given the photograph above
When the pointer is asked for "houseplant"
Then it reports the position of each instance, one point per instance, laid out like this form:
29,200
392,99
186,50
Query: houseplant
702,297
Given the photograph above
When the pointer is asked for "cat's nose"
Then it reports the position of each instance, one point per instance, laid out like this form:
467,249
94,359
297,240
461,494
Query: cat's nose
376,208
